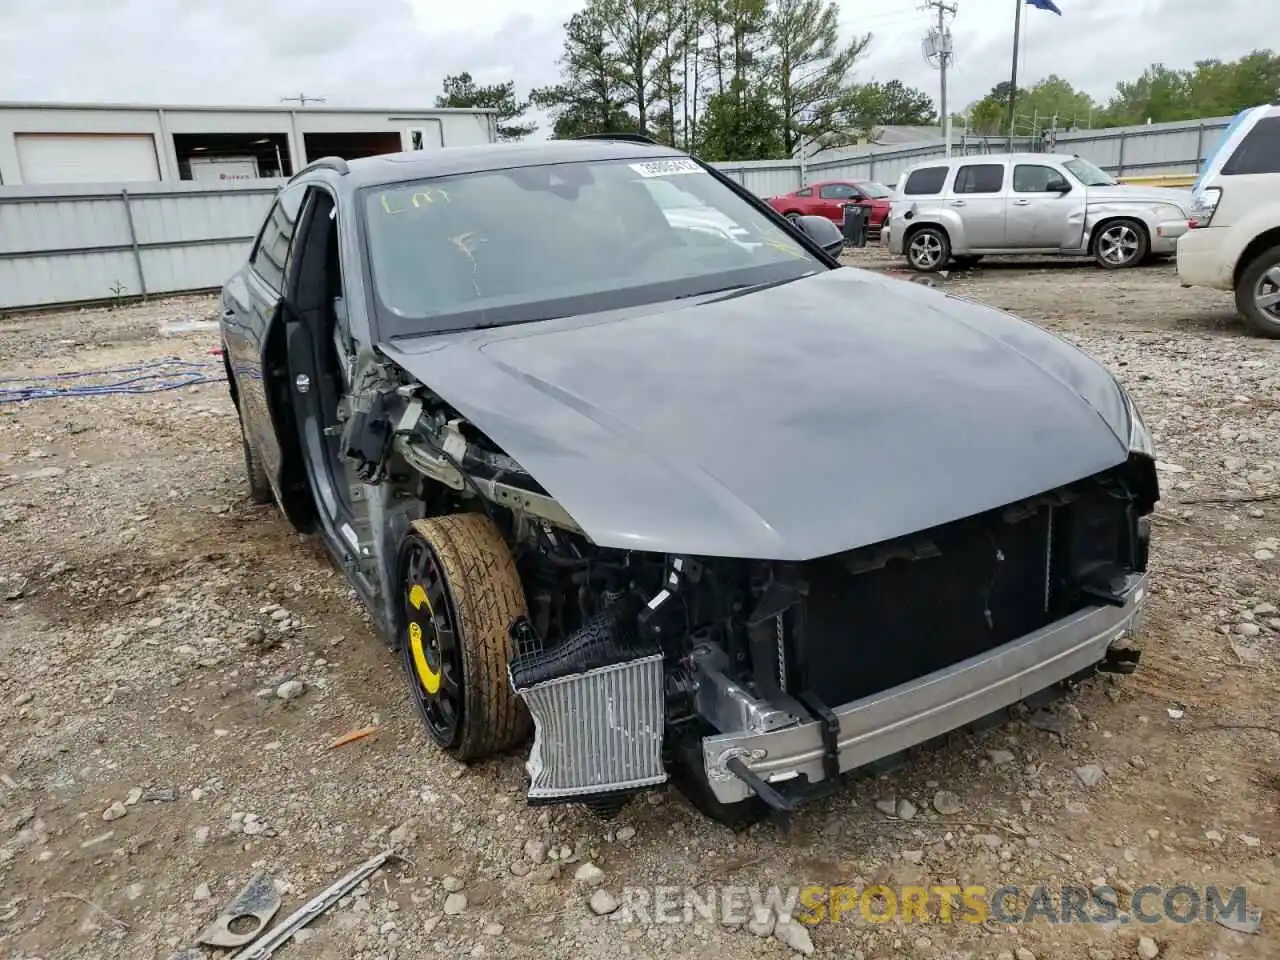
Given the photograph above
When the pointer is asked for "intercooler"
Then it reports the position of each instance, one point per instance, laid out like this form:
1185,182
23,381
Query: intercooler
597,704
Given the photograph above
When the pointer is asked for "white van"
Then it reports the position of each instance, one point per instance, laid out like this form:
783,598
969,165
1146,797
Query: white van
1234,238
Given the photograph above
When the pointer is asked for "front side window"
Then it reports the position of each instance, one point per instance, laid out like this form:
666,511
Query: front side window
1088,174
530,243
875,190
837,191
980,178
1259,151
271,251
1037,178
926,180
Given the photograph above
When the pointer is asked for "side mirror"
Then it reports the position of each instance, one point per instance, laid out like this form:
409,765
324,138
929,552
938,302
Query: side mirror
822,232
1060,186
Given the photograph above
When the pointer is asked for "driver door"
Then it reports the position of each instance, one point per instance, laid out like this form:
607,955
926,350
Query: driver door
1045,211
832,198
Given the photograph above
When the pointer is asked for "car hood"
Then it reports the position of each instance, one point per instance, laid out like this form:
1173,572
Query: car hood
1133,193
802,420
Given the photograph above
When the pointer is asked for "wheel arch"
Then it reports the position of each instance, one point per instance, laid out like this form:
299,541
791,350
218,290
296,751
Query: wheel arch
1263,241
1108,219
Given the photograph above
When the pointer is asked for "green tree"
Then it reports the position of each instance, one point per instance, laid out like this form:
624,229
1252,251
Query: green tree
637,33
1160,94
1221,89
811,69
1056,97
460,90
743,123
989,116
876,104
589,98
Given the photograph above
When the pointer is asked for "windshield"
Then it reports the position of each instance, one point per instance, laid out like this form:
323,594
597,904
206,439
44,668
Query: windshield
872,189
1088,174
530,243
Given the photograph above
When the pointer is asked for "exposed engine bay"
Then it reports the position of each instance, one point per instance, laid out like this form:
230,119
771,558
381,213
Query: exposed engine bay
635,665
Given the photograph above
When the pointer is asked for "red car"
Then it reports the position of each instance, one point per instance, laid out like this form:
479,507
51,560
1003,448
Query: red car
828,198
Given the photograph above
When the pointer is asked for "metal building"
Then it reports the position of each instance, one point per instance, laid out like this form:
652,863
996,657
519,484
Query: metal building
48,143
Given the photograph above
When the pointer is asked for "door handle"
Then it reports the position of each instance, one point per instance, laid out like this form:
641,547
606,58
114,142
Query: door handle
1021,203
957,203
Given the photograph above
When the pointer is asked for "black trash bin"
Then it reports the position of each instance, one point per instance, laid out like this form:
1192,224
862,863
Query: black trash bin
855,224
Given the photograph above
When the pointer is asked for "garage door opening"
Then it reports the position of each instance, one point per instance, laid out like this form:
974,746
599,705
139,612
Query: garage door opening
232,156
350,146
87,158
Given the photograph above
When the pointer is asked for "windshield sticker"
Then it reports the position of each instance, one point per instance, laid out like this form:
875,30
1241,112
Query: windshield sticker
666,168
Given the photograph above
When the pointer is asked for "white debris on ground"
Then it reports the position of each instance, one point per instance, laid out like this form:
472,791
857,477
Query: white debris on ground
174,664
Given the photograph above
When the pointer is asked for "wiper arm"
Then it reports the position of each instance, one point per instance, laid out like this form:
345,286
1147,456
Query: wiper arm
741,290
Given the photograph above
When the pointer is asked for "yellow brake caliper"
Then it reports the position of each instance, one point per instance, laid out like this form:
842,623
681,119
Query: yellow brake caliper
430,678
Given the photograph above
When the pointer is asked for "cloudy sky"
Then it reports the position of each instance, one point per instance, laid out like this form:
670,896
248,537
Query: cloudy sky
394,52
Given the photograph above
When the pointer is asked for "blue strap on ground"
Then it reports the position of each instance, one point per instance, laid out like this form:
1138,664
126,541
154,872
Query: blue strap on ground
156,376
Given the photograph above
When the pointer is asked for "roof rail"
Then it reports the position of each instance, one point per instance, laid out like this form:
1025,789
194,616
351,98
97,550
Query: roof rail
625,137
324,163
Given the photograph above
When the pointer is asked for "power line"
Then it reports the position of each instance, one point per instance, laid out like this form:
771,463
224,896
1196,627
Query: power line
938,52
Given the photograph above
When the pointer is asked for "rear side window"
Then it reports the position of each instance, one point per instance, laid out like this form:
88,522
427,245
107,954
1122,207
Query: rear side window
980,178
925,180
272,249
806,192
1259,152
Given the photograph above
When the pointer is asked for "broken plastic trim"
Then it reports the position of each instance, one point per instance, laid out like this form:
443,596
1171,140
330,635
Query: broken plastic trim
432,464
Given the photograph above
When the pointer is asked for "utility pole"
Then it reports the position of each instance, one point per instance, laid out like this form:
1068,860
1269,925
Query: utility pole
937,50
1013,75
302,99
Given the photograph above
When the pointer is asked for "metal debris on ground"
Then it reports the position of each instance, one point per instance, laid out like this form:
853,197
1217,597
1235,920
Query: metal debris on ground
245,917
313,908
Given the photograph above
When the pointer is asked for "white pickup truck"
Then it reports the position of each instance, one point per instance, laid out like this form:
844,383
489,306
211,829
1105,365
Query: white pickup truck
1234,238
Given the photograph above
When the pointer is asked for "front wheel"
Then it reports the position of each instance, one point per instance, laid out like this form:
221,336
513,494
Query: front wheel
460,595
928,249
1119,244
1258,294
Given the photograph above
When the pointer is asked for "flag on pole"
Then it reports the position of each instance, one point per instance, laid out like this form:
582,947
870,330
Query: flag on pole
1046,5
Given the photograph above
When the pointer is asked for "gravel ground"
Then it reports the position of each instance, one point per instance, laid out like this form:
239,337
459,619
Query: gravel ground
175,663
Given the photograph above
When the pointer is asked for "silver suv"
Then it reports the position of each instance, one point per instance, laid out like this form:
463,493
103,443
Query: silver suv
963,208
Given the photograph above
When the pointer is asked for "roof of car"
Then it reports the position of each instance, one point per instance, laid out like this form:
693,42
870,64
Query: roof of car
422,164
993,158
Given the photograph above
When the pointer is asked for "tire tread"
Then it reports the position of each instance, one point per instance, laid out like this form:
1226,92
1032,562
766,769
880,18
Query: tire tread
487,597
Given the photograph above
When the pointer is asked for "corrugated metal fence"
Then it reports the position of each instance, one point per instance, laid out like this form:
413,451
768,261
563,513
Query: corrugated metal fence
1149,150
75,243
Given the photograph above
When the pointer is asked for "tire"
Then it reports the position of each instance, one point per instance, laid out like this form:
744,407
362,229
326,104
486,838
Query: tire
1118,244
927,249
1260,281
460,595
259,486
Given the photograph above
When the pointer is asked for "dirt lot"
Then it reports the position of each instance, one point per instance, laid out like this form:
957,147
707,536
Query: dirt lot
149,768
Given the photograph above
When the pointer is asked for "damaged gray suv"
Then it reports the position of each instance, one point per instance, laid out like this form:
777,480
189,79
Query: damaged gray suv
675,496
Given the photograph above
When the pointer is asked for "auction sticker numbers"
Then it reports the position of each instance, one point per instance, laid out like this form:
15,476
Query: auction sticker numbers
666,168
